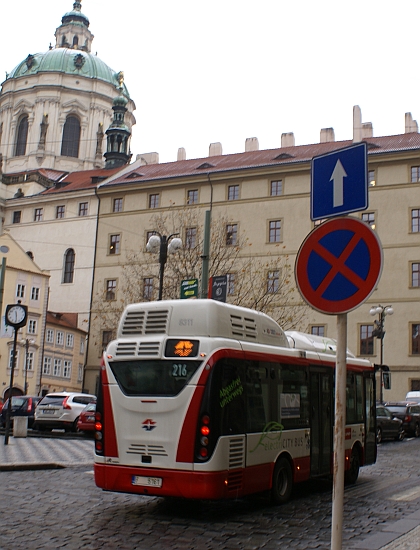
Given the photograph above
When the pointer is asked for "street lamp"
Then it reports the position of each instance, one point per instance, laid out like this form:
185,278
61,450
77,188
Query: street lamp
379,332
26,343
163,245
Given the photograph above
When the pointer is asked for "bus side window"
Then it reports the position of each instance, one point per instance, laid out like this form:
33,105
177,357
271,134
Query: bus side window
257,396
232,397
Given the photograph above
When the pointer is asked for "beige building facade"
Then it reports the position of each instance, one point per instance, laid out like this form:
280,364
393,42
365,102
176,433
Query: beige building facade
24,281
264,197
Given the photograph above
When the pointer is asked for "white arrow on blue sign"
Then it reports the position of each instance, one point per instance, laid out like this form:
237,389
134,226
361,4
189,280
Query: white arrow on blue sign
339,183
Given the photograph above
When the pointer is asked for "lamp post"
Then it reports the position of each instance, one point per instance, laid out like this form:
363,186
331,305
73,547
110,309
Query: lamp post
26,343
379,332
163,245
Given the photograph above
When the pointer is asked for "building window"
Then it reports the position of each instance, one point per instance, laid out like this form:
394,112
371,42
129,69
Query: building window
415,339
415,174
231,279
273,282
46,368
107,336
114,244
69,260
415,220
17,216
232,234
69,340
148,288
50,336
191,237
71,137
38,213
274,231
192,196
57,367
20,291
67,369
29,361
31,326
83,209
118,205
233,192
415,274
369,218
371,178
318,330
60,211
366,340
82,346
154,201
22,136
276,188
59,339
35,293
111,289
80,373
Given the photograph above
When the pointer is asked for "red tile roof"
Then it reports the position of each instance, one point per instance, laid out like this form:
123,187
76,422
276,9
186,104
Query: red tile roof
83,179
258,159
68,320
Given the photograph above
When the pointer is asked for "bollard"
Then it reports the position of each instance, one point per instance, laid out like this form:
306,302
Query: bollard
20,426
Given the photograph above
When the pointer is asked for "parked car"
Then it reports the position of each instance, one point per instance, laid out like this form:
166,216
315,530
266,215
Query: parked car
22,405
61,410
86,422
409,413
413,396
387,425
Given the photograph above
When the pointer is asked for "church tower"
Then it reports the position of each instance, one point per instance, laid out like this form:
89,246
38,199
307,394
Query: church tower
56,105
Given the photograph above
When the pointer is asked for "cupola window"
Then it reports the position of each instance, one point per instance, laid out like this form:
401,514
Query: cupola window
71,137
22,136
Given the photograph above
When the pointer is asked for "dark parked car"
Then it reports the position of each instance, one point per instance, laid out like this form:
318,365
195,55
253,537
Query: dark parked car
387,425
22,405
409,413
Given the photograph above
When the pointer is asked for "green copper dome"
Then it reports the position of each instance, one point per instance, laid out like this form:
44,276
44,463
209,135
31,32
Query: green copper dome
69,61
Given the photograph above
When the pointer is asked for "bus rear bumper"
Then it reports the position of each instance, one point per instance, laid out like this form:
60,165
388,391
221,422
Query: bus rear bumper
175,483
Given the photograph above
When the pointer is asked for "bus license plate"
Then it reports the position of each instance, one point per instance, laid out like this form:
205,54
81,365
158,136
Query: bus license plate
147,481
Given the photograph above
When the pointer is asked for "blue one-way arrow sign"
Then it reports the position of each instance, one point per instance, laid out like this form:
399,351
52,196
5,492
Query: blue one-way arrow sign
339,182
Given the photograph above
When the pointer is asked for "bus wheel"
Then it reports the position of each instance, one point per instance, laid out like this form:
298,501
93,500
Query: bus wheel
282,482
352,473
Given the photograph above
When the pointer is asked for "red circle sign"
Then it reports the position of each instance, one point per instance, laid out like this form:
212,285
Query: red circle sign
338,265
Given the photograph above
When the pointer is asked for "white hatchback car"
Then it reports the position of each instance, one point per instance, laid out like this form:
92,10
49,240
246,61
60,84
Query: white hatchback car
61,410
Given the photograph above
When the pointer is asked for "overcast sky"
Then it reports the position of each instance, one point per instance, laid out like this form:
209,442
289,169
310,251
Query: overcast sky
222,71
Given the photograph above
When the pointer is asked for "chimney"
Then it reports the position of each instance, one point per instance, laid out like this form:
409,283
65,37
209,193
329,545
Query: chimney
215,149
410,124
327,134
288,140
367,130
251,144
182,154
148,158
357,124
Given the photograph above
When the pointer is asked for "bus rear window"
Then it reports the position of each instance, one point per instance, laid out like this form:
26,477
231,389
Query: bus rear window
153,377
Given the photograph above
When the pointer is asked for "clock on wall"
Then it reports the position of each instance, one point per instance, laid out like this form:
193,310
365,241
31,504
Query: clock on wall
16,315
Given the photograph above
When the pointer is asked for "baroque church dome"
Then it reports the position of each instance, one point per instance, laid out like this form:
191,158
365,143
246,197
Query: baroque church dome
56,106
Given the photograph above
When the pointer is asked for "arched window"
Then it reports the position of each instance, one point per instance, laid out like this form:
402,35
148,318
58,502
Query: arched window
22,136
69,258
71,137
75,40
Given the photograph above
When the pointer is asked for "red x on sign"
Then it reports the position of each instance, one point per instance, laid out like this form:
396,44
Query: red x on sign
339,265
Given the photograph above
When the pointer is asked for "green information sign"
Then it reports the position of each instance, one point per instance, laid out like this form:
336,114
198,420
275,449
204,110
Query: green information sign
189,289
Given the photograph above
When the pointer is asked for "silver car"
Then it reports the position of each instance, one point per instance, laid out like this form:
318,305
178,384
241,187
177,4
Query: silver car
61,410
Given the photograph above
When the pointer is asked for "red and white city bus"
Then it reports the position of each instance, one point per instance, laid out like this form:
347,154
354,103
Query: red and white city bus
205,400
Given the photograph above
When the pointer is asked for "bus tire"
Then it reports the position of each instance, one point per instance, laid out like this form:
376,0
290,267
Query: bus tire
282,485
352,473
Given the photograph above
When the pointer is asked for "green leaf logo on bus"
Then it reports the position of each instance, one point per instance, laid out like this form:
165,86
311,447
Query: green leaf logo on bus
270,437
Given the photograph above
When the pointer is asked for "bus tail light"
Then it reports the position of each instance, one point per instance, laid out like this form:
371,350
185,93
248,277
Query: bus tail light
204,441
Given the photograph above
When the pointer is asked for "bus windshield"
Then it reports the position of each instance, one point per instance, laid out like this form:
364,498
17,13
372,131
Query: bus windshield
153,377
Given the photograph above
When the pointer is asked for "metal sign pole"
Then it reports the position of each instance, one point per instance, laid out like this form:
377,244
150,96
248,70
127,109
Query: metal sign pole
339,432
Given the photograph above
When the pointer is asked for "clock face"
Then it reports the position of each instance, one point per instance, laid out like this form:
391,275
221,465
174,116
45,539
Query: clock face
16,314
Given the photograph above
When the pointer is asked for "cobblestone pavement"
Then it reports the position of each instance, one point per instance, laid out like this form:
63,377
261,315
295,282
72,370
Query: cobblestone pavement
62,508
